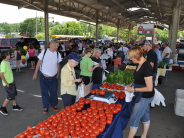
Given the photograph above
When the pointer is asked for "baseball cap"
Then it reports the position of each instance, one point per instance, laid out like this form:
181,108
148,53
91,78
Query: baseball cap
74,56
147,42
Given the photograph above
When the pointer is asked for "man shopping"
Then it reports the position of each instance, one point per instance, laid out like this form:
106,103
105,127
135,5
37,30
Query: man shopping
49,65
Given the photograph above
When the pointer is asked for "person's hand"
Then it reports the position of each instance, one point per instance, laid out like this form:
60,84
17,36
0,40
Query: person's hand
57,76
97,65
78,80
35,76
7,85
129,89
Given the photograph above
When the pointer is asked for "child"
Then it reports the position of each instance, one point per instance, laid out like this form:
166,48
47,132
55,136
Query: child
9,84
17,58
31,55
117,62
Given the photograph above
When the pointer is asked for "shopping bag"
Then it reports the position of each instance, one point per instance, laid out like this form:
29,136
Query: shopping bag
103,76
80,92
27,56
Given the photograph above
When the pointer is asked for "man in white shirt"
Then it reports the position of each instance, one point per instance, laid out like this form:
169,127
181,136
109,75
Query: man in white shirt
49,64
166,53
80,47
63,49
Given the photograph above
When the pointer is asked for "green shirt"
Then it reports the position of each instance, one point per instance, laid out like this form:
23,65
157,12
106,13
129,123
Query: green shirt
85,63
8,74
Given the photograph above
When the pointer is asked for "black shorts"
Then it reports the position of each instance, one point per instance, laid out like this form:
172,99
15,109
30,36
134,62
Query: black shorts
11,91
31,58
87,79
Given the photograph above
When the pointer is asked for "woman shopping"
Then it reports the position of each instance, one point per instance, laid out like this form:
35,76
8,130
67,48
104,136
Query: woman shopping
143,91
68,79
97,73
87,68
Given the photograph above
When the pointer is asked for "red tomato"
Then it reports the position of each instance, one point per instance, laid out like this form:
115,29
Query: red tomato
54,124
37,132
46,132
93,92
52,134
82,99
42,131
93,126
31,132
97,132
100,129
109,122
77,132
21,135
29,136
87,101
79,108
29,128
118,108
53,116
102,92
74,135
121,97
71,131
115,111
81,135
90,130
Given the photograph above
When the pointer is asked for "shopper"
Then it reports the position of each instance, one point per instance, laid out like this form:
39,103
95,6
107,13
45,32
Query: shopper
86,65
63,50
97,72
31,55
68,79
9,84
117,62
166,53
159,57
151,58
143,91
36,53
17,57
49,64
80,47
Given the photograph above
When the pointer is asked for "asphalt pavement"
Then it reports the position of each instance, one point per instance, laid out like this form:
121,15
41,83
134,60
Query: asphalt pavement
164,123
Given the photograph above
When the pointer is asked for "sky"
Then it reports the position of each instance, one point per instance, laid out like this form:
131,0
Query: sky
11,14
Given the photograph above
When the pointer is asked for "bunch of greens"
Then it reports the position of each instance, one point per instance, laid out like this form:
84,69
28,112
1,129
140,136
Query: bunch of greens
120,77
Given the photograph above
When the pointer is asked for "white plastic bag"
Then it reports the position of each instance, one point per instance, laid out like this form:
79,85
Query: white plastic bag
80,92
103,76
27,56
158,98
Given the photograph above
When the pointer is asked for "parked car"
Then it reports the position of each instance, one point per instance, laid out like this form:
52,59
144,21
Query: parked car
11,42
66,43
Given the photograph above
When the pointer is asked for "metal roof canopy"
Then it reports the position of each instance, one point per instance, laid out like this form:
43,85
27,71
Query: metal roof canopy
115,13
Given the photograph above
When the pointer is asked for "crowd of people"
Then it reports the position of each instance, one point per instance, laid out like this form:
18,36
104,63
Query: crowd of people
93,61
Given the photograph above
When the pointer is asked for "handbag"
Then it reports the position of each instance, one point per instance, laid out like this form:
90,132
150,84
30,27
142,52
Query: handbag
80,92
27,56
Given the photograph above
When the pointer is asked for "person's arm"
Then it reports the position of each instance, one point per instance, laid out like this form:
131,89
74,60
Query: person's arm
36,70
92,68
152,64
148,88
3,78
166,55
58,71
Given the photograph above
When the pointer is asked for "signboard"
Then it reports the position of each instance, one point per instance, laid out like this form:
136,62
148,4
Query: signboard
145,29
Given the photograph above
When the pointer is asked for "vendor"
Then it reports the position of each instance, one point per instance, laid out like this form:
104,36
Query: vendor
21,43
68,79
143,91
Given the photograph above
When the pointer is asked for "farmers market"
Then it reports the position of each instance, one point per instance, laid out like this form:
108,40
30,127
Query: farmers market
91,69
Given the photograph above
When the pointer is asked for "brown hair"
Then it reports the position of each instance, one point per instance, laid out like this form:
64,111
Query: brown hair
31,46
87,50
17,48
135,52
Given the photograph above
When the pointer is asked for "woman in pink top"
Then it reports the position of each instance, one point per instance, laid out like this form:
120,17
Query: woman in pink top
31,55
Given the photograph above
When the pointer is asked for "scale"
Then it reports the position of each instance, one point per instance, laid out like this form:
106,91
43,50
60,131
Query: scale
108,97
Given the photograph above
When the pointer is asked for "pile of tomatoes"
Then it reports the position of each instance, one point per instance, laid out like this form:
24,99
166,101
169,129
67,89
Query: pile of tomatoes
69,121
112,86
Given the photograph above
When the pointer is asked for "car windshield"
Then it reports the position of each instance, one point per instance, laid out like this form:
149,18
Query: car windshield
33,41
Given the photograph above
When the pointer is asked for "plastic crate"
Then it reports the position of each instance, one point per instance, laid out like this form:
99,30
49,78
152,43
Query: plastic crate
175,67
179,102
181,68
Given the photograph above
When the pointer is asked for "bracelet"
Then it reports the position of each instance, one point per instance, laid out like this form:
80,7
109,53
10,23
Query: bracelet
134,90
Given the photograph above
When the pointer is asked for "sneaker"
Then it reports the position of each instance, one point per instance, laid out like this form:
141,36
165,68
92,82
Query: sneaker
45,111
32,68
3,111
55,108
17,108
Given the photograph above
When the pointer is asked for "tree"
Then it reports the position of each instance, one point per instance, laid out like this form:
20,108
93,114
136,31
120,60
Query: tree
162,35
40,36
28,27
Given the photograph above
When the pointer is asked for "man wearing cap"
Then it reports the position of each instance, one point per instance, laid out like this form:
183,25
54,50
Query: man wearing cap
68,79
49,65
151,58
21,43
166,53
158,53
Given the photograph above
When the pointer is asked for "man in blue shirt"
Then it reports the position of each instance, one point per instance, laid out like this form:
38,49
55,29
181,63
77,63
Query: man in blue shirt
158,53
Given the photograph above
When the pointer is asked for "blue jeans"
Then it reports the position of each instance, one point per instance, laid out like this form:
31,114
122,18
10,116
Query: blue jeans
95,86
141,112
167,60
49,85
154,77
68,99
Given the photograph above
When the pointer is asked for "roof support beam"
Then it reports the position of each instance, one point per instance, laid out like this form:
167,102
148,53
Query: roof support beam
158,4
31,4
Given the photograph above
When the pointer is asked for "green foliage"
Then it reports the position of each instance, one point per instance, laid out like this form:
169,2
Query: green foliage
161,63
22,51
120,77
162,35
40,36
8,36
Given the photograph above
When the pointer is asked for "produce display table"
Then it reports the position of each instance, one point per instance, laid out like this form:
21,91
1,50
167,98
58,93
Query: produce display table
119,122
13,64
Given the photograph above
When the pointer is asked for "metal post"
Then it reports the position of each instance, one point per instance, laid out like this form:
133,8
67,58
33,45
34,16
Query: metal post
96,27
176,17
118,31
46,24
170,34
36,23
